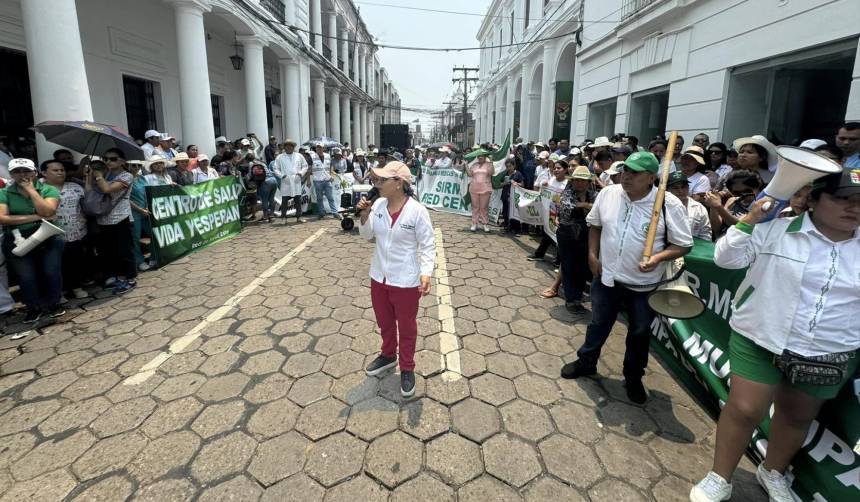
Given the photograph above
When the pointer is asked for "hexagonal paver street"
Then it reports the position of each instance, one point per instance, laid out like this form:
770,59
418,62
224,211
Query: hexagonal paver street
165,394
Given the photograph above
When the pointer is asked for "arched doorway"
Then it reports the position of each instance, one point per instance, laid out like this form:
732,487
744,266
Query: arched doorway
562,110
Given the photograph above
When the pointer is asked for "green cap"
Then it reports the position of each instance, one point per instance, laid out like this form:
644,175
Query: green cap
641,162
676,178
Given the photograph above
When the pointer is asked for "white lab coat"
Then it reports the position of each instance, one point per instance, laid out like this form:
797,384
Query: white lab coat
290,168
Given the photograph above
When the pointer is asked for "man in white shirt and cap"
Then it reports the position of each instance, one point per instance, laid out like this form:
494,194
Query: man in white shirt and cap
152,138
443,161
619,222
291,167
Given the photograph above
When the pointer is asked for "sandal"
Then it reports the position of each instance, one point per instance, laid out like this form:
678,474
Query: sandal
549,293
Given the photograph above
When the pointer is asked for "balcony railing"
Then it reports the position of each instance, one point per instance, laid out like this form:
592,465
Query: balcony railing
275,8
631,7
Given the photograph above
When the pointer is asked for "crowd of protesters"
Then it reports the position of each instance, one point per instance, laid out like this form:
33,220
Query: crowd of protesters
106,246
808,252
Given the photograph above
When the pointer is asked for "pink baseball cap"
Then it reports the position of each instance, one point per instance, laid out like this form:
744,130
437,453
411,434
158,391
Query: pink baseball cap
394,169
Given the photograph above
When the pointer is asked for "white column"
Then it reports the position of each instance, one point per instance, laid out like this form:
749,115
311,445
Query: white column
479,119
547,92
53,41
316,23
255,88
318,90
500,115
290,12
334,113
292,100
345,106
356,123
525,132
355,58
332,33
194,96
344,50
363,125
509,107
361,76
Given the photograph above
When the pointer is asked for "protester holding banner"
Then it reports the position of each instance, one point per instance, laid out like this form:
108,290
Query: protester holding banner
480,189
795,329
202,171
157,175
23,205
512,178
619,223
556,184
292,169
401,268
576,201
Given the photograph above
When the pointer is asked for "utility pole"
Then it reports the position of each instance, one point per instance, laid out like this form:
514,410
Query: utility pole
465,79
450,104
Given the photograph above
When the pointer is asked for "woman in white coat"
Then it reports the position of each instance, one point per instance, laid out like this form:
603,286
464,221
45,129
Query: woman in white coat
401,268
291,168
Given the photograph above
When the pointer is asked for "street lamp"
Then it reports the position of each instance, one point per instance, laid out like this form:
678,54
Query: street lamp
236,60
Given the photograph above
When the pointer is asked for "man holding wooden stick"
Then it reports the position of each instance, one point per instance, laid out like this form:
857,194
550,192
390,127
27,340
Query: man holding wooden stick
632,236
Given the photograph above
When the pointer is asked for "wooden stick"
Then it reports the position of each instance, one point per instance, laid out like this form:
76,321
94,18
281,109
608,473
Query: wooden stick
658,200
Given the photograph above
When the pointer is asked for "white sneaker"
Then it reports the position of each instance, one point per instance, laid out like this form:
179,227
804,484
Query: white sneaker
110,282
711,489
143,267
473,228
777,487
486,228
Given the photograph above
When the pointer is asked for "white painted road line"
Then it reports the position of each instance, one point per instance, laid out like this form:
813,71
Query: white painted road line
449,345
185,340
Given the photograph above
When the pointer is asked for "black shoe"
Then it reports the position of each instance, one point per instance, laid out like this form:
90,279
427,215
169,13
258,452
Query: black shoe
407,383
380,364
575,308
534,257
56,311
577,369
33,316
635,390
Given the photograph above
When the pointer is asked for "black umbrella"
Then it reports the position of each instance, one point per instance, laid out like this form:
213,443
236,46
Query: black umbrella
90,138
325,141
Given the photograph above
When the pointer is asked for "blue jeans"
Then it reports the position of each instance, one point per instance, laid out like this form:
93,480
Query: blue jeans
39,272
606,303
266,191
324,189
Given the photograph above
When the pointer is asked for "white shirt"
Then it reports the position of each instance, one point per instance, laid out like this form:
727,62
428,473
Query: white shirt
199,176
699,183
290,168
788,262
700,223
442,163
624,225
542,174
556,185
404,251
829,298
321,170
153,179
148,150
4,165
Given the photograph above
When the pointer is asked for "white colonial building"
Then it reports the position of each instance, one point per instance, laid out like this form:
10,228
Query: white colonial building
194,68
787,69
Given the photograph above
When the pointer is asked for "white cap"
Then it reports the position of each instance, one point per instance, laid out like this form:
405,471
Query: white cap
245,142
166,137
21,164
615,168
152,133
812,144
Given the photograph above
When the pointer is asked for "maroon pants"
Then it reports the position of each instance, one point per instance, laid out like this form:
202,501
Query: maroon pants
396,311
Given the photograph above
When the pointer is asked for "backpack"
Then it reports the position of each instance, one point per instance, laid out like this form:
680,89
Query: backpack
258,173
96,203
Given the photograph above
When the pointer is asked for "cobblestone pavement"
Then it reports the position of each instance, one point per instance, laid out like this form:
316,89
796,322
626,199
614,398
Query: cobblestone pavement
267,399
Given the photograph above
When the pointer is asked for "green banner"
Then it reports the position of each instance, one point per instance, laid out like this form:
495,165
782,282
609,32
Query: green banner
562,110
187,218
696,351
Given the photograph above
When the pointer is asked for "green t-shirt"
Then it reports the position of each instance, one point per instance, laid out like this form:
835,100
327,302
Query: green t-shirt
18,205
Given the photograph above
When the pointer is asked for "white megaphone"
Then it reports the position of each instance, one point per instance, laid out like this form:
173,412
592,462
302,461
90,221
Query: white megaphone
797,168
674,298
45,232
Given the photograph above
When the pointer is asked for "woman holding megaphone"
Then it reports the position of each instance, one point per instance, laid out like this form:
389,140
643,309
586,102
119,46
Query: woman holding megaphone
23,206
795,329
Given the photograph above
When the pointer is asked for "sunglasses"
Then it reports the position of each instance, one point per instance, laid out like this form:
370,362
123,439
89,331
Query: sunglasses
111,159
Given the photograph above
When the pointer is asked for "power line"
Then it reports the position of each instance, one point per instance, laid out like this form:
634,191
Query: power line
433,49
477,14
